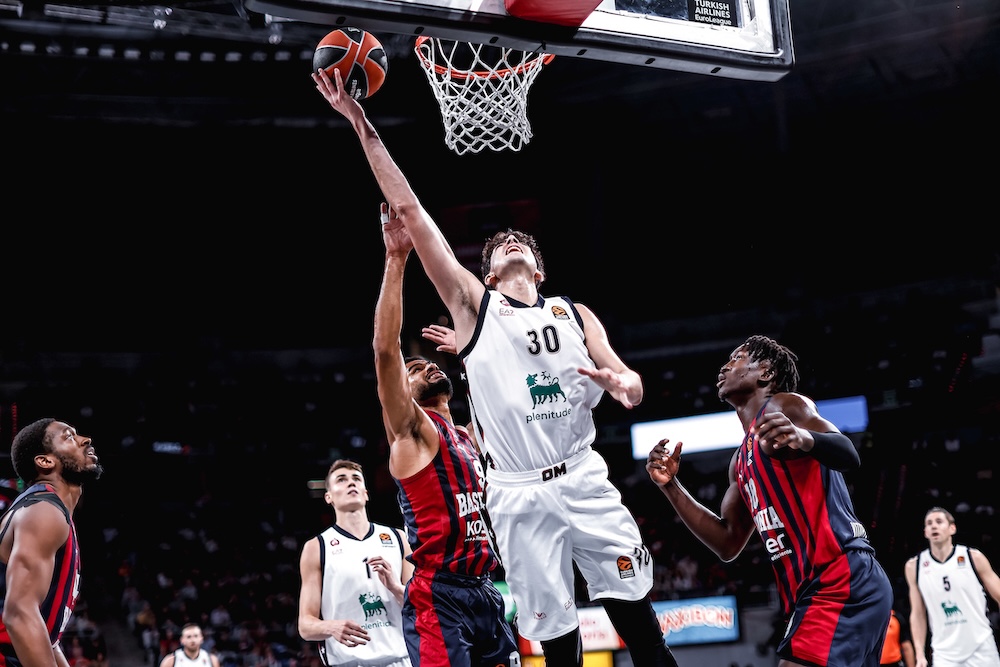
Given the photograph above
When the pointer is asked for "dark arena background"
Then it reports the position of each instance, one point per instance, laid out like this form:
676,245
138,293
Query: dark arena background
190,257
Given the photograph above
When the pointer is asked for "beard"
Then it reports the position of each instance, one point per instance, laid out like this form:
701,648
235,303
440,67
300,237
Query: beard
78,474
439,388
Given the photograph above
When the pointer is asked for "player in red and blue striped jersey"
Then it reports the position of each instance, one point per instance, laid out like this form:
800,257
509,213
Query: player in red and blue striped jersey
453,614
39,552
786,482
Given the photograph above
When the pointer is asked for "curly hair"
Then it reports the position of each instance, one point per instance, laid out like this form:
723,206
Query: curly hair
498,239
29,442
786,372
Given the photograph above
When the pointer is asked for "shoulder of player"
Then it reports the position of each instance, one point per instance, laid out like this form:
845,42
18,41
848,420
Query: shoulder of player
43,511
792,399
797,407
977,556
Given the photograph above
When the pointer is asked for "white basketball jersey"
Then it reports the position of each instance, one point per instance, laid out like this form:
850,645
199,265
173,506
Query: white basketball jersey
352,591
531,407
956,604
203,659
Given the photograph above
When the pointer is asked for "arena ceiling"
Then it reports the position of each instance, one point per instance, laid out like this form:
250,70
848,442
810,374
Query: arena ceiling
211,63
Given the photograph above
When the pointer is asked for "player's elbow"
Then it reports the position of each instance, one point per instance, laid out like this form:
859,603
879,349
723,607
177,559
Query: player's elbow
15,615
408,209
728,554
306,634
732,543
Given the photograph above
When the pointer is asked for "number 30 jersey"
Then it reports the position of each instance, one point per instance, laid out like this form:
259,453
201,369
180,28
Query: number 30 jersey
530,405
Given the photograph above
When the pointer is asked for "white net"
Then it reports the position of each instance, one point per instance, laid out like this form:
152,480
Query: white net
482,92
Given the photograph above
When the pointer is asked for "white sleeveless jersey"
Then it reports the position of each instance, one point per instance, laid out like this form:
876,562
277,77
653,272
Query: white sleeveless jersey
956,604
203,659
352,591
531,408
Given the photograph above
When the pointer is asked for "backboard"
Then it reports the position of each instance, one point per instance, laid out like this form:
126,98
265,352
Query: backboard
739,39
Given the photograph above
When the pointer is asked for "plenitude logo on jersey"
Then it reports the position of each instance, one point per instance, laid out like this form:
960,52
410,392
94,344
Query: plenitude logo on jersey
952,613
544,388
372,605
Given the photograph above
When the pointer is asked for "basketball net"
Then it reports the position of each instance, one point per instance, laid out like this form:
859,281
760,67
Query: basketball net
482,92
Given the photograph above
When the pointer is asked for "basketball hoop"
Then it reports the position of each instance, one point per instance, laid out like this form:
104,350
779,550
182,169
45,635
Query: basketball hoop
482,92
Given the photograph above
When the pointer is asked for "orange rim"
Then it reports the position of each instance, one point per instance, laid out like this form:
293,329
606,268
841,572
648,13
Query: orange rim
441,70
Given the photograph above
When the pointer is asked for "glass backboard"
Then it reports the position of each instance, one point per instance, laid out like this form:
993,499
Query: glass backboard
740,39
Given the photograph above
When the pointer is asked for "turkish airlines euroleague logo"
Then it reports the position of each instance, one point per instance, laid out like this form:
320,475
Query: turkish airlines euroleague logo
626,569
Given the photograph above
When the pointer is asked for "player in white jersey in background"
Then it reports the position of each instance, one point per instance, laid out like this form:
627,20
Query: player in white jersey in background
191,653
354,577
948,584
536,367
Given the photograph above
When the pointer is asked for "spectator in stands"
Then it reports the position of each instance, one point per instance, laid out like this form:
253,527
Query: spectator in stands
219,617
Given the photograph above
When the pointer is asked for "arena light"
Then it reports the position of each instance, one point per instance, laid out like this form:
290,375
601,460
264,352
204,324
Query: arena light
722,430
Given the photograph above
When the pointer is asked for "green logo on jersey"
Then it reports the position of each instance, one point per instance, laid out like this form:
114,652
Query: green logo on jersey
544,393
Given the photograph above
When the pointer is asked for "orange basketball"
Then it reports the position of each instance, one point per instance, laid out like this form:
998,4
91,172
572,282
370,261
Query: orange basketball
358,55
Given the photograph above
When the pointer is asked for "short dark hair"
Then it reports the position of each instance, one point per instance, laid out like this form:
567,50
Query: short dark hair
344,463
948,515
782,360
341,463
30,441
499,238
417,357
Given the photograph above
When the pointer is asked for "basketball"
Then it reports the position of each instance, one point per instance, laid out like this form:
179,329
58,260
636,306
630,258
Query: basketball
358,55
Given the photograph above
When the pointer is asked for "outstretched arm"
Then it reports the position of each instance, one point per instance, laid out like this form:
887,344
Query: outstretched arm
727,534
621,382
412,436
459,289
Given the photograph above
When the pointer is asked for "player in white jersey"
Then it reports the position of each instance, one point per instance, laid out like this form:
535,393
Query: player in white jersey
191,654
552,482
948,584
354,576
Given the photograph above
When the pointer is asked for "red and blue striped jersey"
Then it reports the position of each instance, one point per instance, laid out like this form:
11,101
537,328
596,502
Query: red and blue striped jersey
444,508
57,607
802,511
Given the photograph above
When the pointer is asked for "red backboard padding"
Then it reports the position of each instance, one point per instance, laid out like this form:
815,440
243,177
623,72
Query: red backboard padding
559,12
